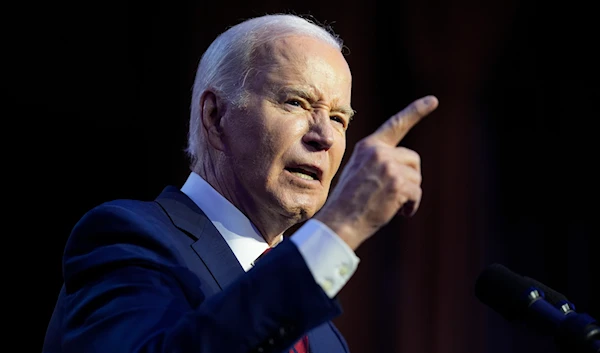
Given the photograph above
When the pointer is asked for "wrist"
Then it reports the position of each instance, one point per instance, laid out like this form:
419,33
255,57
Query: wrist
345,230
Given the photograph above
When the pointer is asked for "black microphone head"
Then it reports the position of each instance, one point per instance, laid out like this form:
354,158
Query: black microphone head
504,291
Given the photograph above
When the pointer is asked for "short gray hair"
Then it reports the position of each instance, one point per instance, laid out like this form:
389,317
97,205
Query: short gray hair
226,63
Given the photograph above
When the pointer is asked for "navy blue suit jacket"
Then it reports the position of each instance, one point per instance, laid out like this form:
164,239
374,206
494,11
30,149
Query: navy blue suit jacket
157,276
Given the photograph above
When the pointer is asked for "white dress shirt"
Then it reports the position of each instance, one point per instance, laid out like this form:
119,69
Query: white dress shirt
330,260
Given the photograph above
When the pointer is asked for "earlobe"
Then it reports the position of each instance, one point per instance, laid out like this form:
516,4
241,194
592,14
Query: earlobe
211,112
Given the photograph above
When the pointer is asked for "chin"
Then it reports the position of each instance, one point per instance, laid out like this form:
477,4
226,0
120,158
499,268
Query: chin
296,204
300,210
308,211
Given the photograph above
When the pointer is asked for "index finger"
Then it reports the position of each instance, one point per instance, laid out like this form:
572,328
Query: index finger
395,128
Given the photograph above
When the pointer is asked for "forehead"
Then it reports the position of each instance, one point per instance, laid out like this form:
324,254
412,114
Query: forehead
303,62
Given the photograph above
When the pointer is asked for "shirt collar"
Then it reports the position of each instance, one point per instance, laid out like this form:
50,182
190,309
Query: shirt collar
240,234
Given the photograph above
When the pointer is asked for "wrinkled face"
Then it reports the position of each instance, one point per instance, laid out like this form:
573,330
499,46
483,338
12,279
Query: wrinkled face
286,144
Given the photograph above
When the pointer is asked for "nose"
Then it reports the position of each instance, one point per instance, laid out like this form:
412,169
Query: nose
320,135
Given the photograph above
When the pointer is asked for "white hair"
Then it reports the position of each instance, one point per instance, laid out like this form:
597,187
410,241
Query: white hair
226,63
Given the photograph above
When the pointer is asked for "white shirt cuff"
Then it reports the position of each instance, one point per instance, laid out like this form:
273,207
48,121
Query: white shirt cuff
330,260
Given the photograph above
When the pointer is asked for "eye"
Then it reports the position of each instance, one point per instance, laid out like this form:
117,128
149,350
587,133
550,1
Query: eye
338,119
294,102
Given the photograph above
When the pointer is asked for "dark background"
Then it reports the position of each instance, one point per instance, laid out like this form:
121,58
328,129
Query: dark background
98,107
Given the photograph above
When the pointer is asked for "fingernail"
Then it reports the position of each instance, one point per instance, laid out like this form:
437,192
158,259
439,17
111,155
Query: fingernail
427,100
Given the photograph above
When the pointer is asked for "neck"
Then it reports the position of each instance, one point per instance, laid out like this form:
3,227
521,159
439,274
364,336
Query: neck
269,223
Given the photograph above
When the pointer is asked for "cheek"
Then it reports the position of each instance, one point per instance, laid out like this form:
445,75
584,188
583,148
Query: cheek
338,153
269,145
283,135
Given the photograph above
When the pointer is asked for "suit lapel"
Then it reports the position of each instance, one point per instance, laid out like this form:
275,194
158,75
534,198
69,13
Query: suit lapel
212,249
209,245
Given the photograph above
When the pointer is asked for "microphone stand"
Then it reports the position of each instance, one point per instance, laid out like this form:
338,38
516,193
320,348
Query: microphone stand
573,332
577,332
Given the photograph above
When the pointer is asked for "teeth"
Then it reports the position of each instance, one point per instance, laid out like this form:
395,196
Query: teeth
303,176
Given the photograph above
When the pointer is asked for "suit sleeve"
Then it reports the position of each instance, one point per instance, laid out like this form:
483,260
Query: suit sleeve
126,291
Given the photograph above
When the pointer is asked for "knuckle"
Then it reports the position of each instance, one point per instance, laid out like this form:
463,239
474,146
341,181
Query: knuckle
362,144
411,154
378,156
388,169
419,179
418,194
398,124
366,147
397,185
416,157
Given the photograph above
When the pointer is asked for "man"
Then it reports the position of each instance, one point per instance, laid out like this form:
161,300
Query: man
270,108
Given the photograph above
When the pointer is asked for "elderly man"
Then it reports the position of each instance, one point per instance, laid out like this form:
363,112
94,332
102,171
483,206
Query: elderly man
270,109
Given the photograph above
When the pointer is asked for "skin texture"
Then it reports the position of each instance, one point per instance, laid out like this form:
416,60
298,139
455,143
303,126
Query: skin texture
379,180
296,116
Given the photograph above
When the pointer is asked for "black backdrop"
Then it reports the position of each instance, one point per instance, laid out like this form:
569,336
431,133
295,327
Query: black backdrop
101,92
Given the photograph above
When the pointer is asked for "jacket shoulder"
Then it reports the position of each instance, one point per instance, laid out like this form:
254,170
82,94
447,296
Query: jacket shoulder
117,233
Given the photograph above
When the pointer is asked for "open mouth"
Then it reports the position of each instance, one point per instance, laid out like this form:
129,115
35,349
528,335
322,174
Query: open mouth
304,173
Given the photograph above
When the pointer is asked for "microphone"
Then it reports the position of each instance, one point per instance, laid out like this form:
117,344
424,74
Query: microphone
520,298
555,298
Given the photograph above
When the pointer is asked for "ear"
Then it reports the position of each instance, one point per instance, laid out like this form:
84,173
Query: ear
212,109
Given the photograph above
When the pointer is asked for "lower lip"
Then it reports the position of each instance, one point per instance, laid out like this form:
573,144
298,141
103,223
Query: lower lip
301,181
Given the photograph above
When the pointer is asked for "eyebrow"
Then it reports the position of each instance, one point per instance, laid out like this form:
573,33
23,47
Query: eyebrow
309,93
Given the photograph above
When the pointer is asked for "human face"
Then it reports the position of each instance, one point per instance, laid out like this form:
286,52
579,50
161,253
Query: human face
286,143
